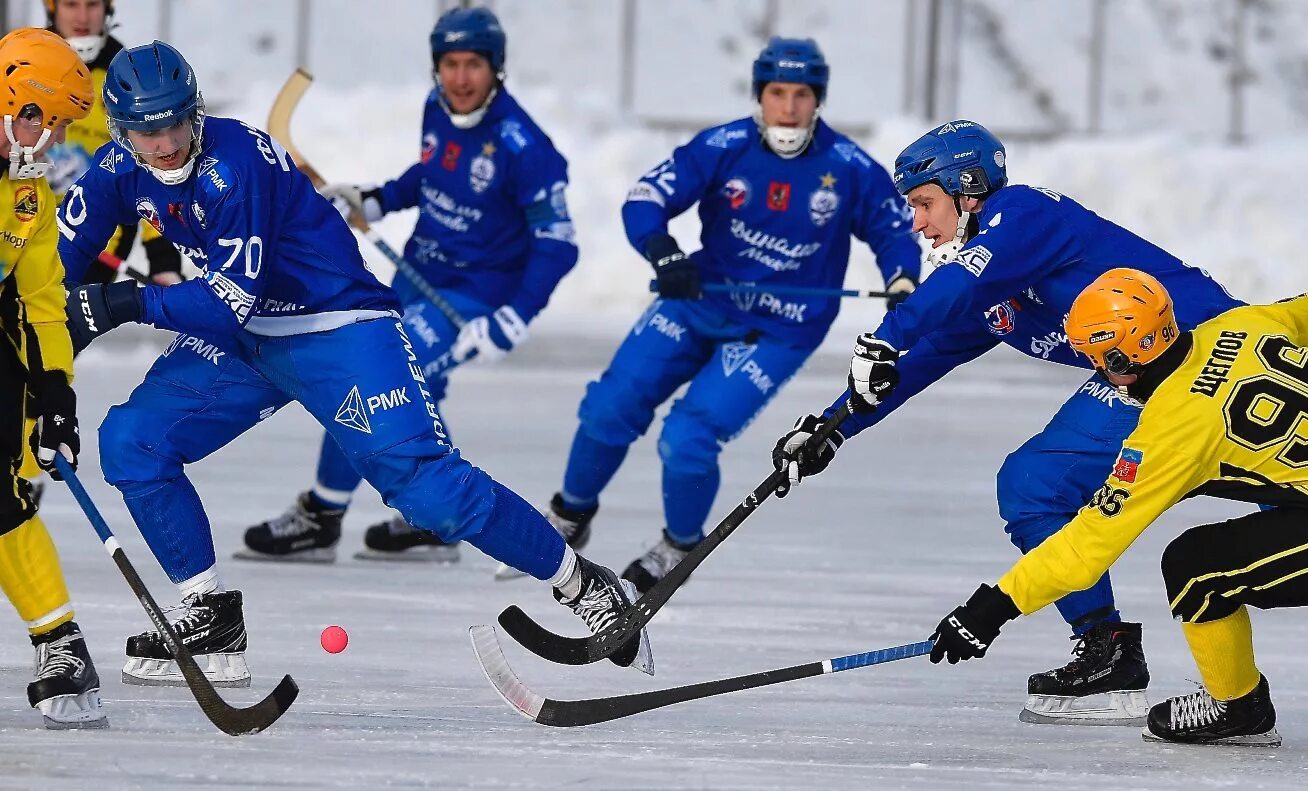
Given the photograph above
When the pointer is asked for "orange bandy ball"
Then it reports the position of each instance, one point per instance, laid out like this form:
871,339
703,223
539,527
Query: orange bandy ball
334,639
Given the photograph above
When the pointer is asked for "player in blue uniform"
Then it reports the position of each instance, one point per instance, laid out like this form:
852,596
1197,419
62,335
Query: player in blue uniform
779,196
493,238
1013,259
286,311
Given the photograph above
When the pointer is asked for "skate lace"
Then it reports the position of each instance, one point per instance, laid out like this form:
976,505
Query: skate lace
57,658
1089,647
661,558
596,606
1196,710
294,522
192,615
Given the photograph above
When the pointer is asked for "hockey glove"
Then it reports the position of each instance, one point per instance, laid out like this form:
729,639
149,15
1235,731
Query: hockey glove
346,198
872,374
56,422
969,630
898,290
793,455
678,276
95,309
491,337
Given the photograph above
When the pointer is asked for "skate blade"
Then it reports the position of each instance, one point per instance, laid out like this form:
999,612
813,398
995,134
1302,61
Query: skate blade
318,555
1129,707
69,712
440,555
644,661
505,572
1269,739
222,670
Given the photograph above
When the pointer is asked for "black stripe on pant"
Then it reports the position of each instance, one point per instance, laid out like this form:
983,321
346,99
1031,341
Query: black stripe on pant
15,493
1260,560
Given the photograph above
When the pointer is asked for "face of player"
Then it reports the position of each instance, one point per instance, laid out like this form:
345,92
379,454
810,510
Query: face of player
934,213
467,79
788,104
166,149
76,18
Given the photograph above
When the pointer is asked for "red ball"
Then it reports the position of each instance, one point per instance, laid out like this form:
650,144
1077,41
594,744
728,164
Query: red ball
334,639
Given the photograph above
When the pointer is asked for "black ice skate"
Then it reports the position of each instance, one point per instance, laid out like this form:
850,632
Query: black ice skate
654,565
1104,684
212,627
574,526
602,599
66,688
1197,718
305,533
394,539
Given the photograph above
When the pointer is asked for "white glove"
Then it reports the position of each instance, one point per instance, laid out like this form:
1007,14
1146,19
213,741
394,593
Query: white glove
490,338
363,199
872,374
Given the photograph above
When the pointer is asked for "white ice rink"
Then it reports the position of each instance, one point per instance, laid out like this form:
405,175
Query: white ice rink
871,554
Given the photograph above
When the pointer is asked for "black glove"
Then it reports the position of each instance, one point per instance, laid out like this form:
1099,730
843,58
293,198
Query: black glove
793,455
898,289
969,630
678,276
56,422
95,309
872,374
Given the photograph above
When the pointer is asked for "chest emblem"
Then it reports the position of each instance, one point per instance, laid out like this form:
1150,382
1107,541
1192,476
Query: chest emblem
824,201
25,205
736,191
429,144
145,207
482,170
1002,318
779,196
450,159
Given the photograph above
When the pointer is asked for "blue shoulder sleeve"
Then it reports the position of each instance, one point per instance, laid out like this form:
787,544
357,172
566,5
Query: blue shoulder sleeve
91,211
671,187
542,182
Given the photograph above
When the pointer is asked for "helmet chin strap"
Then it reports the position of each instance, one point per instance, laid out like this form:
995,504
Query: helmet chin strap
23,163
949,250
787,142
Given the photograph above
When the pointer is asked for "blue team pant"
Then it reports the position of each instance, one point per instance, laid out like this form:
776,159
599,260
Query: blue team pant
433,334
733,373
1042,484
363,383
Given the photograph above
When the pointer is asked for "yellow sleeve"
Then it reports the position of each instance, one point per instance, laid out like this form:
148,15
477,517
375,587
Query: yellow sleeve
39,275
1148,478
1292,313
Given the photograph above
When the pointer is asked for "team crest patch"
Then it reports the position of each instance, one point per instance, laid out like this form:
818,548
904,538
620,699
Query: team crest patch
823,202
198,212
25,205
736,191
1128,463
735,354
482,170
145,207
351,414
1147,342
779,196
1002,318
450,159
429,143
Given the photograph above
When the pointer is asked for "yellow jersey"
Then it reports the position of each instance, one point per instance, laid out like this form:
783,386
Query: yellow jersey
32,276
1230,421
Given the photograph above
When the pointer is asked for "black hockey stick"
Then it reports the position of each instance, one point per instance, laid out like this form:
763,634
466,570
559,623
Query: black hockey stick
584,650
229,719
573,713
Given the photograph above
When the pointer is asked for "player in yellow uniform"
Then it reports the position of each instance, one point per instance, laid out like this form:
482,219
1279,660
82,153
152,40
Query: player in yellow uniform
85,25
1226,415
43,88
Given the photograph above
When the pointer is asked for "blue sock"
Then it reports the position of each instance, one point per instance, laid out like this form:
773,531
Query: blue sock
517,535
591,465
687,500
1082,609
335,474
173,523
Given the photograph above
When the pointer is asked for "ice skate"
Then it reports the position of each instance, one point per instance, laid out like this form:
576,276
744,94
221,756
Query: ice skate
602,599
394,539
305,533
1198,718
66,688
645,571
574,526
212,627
1104,684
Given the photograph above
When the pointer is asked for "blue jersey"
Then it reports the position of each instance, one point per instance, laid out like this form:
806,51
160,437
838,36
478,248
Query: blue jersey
277,258
1014,282
773,221
493,221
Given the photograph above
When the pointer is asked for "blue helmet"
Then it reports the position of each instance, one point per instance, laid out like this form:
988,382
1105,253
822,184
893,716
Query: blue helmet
150,87
791,60
961,156
469,30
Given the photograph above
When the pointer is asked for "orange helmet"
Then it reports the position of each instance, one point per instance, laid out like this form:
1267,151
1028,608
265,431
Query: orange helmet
1121,321
38,67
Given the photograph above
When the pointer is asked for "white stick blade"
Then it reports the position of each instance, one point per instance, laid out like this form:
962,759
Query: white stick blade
490,656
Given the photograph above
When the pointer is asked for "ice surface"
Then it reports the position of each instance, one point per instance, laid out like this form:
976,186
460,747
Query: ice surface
871,554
